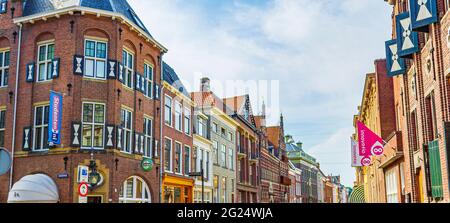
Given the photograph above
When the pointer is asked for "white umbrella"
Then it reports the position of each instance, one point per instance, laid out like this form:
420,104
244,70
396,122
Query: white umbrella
37,188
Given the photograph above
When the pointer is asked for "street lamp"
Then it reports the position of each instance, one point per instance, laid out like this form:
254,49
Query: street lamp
94,176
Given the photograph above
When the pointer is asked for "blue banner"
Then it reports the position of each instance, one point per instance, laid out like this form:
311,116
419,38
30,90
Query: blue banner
55,118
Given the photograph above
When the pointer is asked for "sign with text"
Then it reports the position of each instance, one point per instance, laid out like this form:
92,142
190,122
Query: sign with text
358,160
83,174
55,118
369,143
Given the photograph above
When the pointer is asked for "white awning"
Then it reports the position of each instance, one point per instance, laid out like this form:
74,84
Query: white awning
37,188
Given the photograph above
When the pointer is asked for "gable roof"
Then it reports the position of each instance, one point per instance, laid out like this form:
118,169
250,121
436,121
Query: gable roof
209,99
171,77
239,103
32,7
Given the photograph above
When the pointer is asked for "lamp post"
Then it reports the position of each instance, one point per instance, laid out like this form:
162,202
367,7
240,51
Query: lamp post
94,176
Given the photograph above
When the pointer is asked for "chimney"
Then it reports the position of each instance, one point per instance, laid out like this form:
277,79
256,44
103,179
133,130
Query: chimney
300,145
205,85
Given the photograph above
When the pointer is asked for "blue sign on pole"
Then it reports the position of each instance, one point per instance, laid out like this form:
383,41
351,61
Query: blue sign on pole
55,118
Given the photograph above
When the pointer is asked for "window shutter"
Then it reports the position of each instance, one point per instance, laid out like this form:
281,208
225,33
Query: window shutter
435,169
30,72
112,69
157,92
3,6
76,134
136,143
119,140
109,139
121,71
27,137
78,65
143,83
55,68
141,143
137,82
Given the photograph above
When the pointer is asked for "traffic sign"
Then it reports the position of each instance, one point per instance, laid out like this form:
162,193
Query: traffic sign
83,189
5,161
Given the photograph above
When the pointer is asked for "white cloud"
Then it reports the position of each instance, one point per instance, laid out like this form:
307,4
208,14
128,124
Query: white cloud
318,50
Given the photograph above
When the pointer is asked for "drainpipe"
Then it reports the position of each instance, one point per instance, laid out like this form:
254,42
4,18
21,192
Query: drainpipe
15,109
161,140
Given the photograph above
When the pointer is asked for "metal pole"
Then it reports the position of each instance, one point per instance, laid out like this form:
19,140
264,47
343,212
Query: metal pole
203,183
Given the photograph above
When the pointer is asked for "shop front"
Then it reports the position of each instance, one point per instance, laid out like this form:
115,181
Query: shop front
177,189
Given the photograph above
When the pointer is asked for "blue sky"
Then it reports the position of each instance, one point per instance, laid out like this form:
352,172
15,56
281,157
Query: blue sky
319,51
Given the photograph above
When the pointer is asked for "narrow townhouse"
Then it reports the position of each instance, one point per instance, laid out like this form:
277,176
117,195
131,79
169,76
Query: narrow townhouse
178,158
79,101
247,170
221,130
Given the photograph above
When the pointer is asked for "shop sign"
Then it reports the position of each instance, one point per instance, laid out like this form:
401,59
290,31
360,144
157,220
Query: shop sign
83,174
147,164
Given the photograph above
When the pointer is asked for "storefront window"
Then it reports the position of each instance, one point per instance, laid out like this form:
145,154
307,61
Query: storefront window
172,194
134,190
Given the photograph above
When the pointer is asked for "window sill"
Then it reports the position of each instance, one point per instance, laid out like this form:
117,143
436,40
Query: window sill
125,87
44,82
93,79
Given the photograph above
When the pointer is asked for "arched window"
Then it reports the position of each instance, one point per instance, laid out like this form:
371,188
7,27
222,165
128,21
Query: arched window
134,190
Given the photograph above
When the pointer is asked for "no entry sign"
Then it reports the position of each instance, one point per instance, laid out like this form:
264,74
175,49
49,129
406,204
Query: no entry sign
83,189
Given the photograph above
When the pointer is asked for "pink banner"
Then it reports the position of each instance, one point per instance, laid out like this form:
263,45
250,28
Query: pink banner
357,160
369,142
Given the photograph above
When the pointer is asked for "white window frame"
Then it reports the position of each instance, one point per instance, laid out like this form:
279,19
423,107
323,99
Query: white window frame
207,164
134,199
41,127
203,130
216,152
180,158
4,69
93,124
391,186
230,158
126,130
223,155
170,170
148,137
178,116
215,127
223,190
187,162
46,62
230,136
187,121
95,59
148,75
166,108
127,69
2,128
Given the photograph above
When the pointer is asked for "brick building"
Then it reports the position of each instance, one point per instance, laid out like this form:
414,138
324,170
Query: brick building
107,66
247,170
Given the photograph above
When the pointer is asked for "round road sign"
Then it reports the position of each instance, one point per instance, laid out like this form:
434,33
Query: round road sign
5,161
83,189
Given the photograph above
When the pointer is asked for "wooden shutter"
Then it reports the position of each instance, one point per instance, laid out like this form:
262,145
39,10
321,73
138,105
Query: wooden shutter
30,72
435,169
27,139
76,134
109,139
112,69
121,72
3,6
55,68
78,65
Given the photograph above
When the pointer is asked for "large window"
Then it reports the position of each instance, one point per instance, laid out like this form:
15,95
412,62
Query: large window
148,126
230,159
95,58
202,127
46,53
178,116
207,163
187,160
2,127
93,125
178,158
223,152
128,64
187,121
134,190
216,189
148,74
168,155
126,123
215,145
40,130
391,186
224,190
4,68
168,110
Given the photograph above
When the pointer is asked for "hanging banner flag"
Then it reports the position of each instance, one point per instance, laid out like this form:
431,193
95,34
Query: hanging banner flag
55,118
358,160
369,143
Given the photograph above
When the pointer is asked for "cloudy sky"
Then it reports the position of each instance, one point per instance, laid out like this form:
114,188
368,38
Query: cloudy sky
313,54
